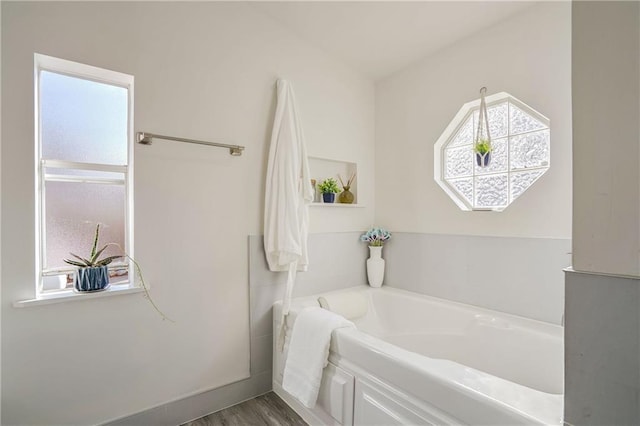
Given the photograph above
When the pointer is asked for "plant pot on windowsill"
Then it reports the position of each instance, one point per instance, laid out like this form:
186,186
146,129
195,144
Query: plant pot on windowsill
92,273
91,279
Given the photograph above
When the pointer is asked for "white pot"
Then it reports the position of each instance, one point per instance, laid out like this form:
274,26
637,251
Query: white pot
375,267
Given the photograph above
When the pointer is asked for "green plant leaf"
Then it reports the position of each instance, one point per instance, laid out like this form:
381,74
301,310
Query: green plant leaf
74,263
107,260
482,146
87,262
95,242
98,253
328,186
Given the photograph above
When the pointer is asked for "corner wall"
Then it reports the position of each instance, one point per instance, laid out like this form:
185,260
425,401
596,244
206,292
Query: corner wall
203,71
602,343
442,247
527,55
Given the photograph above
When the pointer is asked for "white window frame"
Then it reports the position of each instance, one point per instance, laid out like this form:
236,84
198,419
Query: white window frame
456,123
87,72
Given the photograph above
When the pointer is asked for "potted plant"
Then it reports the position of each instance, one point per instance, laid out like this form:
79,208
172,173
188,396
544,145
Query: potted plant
346,196
329,188
92,273
376,237
482,149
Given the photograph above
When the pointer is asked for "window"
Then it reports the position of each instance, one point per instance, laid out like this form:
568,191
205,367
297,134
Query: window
520,154
84,153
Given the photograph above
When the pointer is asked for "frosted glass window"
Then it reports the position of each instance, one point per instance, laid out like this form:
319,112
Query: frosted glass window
84,145
73,209
82,120
521,150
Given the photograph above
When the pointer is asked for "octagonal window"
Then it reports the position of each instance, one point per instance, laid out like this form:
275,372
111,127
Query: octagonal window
520,154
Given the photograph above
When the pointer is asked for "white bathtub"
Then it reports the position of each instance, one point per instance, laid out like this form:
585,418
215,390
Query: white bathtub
416,359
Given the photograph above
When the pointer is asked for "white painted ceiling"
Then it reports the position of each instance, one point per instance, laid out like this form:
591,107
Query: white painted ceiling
380,38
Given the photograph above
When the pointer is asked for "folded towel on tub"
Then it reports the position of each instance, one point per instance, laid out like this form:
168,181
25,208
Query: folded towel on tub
309,352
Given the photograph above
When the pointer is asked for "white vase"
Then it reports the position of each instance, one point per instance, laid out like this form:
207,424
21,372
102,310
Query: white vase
375,267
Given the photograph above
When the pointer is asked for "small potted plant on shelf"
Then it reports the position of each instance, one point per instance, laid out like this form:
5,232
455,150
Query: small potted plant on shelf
346,196
329,188
482,149
92,273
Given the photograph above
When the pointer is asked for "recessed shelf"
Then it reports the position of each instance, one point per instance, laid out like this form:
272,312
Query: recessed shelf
323,168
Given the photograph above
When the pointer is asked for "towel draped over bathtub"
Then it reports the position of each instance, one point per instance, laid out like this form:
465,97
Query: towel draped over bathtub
288,193
309,352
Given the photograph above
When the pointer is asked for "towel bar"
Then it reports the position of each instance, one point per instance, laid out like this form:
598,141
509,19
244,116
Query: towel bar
145,138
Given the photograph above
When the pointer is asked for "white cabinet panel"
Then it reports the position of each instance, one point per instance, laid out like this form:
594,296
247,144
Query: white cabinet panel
336,394
375,405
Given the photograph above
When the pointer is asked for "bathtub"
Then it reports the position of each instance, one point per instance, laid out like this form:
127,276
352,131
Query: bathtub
416,359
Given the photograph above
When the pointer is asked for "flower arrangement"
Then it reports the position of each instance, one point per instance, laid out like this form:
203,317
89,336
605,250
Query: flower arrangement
376,237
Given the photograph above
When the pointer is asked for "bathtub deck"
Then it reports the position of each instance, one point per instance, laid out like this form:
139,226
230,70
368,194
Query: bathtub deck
268,410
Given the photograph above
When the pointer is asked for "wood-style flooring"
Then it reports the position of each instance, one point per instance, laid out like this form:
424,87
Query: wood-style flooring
267,409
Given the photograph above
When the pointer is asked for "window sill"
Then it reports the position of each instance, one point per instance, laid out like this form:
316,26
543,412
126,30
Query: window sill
70,296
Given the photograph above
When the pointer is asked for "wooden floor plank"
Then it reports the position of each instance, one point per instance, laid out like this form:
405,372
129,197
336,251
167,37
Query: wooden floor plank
265,410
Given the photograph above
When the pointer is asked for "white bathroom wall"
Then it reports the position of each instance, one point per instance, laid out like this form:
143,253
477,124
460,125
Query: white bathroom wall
606,122
521,276
527,55
602,331
0,217
203,71
512,260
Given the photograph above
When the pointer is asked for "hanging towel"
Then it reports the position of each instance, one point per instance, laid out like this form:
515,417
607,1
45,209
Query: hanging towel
309,352
288,193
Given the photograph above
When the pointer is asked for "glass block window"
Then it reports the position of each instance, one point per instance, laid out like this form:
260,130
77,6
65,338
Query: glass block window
84,163
520,154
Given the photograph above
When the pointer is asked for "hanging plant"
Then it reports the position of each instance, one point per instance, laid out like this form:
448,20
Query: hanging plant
482,141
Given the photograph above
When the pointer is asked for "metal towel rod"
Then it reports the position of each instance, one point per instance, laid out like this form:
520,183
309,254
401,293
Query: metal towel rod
145,138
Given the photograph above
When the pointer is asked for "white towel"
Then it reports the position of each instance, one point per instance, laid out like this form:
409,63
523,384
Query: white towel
350,304
288,193
309,352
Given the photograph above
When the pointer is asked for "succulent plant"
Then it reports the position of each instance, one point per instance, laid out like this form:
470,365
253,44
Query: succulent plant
94,258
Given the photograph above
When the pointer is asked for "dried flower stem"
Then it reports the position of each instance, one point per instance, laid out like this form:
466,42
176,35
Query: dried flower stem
349,181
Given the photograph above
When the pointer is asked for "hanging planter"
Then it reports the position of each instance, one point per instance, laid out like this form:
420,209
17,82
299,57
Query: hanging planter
482,141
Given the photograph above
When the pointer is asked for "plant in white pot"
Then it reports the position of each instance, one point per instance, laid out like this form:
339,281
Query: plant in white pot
375,237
